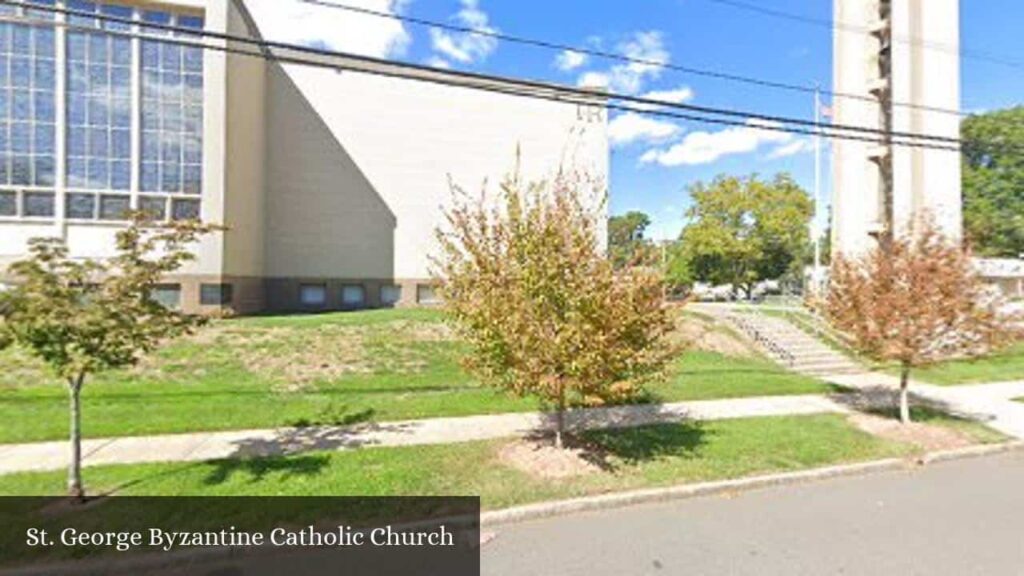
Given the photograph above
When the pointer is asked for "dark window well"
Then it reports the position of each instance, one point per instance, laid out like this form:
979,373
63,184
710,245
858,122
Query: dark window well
215,294
8,203
154,207
184,209
114,207
81,206
38,204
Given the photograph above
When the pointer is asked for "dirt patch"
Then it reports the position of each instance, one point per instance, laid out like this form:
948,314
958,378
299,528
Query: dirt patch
298,356
541,459
705,335
926,436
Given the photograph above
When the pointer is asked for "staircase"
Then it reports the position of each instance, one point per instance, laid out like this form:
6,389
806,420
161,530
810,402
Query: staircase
792,347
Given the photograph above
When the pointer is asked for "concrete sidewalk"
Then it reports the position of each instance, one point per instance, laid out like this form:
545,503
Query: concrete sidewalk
991,404
988,403
244,443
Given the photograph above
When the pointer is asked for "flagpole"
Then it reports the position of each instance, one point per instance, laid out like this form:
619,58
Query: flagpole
816,225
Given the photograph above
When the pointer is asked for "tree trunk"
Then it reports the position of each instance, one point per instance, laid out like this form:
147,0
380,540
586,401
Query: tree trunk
904,401
560,416
75,489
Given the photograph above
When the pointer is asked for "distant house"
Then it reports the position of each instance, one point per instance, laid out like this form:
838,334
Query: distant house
330,182
1007,274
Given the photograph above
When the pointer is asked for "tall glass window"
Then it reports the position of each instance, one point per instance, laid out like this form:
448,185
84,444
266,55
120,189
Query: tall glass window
105,173
172,112
99,103
28,102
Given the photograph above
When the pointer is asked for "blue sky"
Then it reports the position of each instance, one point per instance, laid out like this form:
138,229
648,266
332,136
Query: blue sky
695,33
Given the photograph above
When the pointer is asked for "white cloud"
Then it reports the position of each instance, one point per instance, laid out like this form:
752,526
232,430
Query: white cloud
569,60
798,146
706,147
593,80
648,48
630,127
676,96
438,62
465,47
294,22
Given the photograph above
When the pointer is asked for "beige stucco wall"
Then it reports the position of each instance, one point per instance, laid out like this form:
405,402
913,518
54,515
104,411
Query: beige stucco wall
358,166
245,154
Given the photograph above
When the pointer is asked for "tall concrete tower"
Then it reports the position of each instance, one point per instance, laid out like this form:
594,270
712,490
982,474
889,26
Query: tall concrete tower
907,52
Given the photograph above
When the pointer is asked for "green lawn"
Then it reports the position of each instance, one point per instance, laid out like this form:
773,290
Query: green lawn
634,458
315,370
1005,366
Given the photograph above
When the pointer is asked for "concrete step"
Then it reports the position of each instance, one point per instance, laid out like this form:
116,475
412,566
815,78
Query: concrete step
819,354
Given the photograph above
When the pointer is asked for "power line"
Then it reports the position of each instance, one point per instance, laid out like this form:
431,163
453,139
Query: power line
459,79
847,27
604,54
833,131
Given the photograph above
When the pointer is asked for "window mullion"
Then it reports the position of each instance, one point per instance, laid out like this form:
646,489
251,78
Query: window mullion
136,129
60,124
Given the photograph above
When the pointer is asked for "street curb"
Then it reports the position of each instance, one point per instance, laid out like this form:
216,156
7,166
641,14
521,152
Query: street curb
685,491
970,452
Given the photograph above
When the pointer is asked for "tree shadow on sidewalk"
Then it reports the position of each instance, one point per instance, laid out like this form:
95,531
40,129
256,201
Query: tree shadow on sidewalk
884,401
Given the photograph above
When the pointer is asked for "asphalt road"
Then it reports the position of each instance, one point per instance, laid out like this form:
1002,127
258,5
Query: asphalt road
958,518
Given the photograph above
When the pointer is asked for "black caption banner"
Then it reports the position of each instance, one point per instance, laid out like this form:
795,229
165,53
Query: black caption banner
236,536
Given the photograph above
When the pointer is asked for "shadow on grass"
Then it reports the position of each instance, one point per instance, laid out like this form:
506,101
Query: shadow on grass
256,469
333,416
610,448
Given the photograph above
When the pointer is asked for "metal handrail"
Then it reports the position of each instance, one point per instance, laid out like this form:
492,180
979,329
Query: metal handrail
771,345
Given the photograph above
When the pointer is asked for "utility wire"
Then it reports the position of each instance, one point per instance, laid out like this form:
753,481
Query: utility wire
459,79
848,27
604,54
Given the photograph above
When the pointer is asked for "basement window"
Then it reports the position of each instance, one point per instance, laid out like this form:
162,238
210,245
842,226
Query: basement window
353,296
390,295
427,294
313,295
167,295
215,294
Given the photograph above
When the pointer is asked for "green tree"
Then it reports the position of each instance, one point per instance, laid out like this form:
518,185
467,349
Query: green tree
86,316
993,182
525,282
626,243
677,270
745,230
